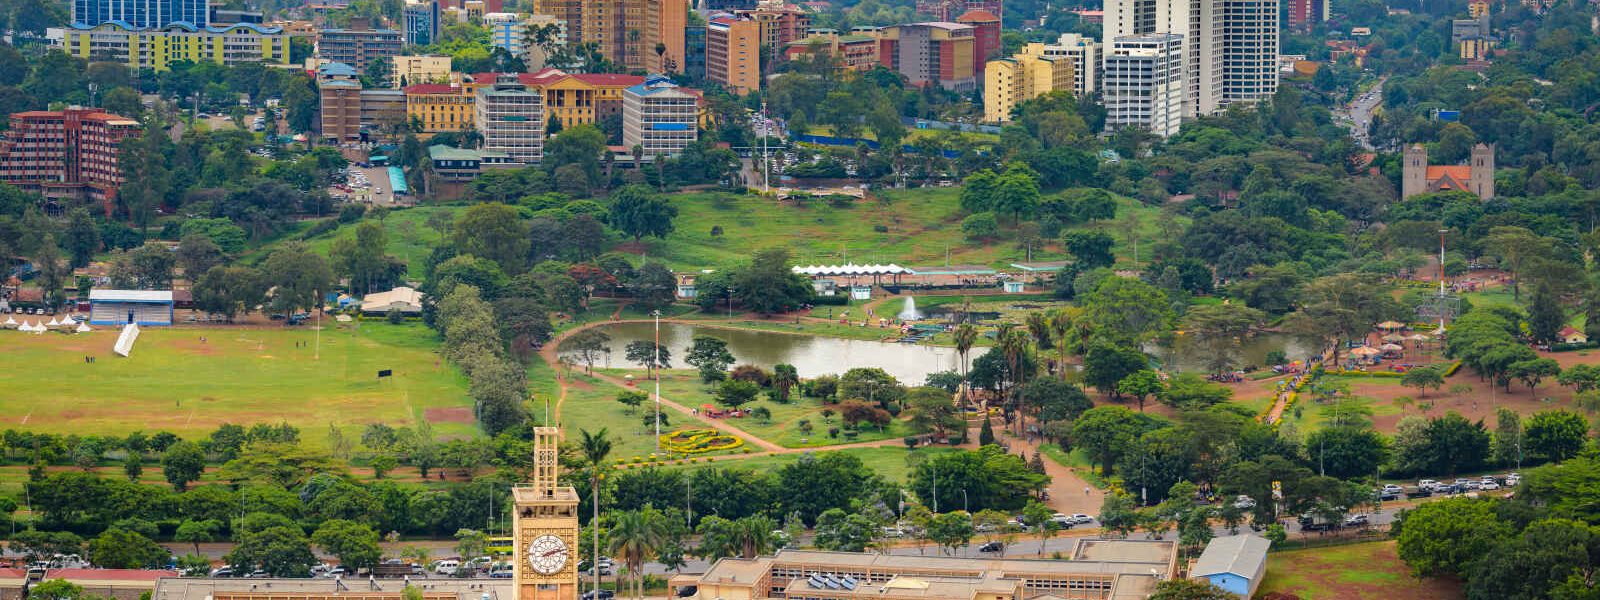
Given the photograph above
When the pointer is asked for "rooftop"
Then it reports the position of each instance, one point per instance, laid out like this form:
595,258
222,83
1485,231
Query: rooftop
433,88
103,295
1240,555
201,588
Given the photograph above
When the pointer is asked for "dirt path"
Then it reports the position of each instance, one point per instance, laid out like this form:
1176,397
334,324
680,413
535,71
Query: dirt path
1067,488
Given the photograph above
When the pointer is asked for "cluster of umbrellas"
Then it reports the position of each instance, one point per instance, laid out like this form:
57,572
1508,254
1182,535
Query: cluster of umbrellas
65,324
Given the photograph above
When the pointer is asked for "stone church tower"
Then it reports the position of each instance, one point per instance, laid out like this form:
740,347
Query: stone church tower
1482,181
1414,171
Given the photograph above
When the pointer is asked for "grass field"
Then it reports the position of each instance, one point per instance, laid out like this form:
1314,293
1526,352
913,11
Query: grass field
1368,570
894,463
410,237
592,404
176,382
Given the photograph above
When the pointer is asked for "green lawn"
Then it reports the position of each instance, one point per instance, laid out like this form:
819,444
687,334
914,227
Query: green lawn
894,463
410,237
592,404
684,387
173,381
1367,570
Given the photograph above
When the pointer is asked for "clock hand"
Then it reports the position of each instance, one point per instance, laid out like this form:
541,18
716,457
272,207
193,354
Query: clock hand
552,553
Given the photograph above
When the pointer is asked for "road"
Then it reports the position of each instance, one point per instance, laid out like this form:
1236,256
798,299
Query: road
1358,114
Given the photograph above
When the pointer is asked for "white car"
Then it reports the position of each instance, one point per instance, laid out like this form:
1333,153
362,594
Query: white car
1488,486
1081,519
1244,502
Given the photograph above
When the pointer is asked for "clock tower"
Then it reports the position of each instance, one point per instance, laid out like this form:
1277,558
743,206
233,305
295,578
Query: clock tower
545,520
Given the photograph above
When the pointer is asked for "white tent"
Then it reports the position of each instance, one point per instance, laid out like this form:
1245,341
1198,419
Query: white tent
11,323
68,321
84,328
54,322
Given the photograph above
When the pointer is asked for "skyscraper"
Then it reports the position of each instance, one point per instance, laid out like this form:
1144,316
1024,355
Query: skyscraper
1249,50
626,32
1143,83
422,22
1225,45
141,13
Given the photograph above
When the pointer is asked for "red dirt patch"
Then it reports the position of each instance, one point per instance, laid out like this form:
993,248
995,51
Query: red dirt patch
454,414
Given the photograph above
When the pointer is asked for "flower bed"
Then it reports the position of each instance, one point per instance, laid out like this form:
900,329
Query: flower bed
698,441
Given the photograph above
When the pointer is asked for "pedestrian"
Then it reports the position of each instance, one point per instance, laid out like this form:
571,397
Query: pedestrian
1086,490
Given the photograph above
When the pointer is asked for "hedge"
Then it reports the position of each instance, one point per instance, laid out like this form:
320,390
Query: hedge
1571,347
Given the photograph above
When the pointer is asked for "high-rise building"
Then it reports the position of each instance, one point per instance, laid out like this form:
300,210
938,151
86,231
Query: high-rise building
940,53
694,53
985,37
421,22
659,117
1249,50
155,48
948,10
733,54
515,33
780,23
511,119
1084,53
341,110
68,153
1025,75
1143,83
626,32
358,44
141,13
409,70
1217,35
571,98
1302,14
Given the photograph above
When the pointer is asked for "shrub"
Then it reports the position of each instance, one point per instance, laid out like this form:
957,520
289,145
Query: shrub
752,374
880,228
981,226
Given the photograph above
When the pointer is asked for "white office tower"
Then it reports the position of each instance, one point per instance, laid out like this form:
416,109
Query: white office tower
1084,53
1143,83
1249,50
511,120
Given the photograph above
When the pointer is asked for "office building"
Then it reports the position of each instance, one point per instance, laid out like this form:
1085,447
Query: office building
511,119
228,16
694,53
1249,50
141,14
409,70
69,153
421,21
985,37
941,54
457,165
733,54
382,111
948,10
571,98
439,107
1230,47
1143,84
358,44
854,52
1084,53
1095,569
341,111
780,23
516,33
156,48
1302,15
626,32
1025,75
659,117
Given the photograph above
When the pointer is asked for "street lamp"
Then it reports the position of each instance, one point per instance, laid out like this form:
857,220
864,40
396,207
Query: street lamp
730,303
657,314
964,507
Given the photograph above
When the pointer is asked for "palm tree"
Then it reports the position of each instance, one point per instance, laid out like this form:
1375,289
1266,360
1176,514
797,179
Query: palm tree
784,378
635,537
753,534
596,448
1014,343
966,337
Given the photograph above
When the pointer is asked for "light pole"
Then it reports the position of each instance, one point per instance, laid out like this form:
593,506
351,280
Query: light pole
657,314
730,303
964,507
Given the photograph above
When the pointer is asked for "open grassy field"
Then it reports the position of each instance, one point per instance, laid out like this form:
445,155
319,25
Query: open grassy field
894,463
1369,570
410,237
592,404
174,381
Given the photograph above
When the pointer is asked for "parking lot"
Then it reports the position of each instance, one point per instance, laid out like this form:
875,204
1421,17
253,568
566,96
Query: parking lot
365,184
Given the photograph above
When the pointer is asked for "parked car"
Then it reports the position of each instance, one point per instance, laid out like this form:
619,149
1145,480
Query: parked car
599,595
992,547
1081,519
446,567
1513,479
1488,486
1244,502
1427,484
222,572
1355,520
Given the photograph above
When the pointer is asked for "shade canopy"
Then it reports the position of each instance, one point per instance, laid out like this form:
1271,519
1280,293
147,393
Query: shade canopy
1391,325
1391,348
1393,337
815,270
1364,351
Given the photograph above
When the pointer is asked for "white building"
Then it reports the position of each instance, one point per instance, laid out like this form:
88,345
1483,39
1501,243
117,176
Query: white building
1143,83
511,119
513,31
1249,50
1224,42
1084,52
659,117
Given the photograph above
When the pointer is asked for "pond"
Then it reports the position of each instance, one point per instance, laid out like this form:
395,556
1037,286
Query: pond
1189,356
811,355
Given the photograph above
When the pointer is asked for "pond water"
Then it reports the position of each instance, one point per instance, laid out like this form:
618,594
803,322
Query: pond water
811,355
1189,356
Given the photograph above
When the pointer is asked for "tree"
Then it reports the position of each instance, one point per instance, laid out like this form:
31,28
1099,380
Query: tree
966,336
1107,365
299,275
182,463
1545,315
933,411
361,258
734,393
1190,589
493,231
638,212
1533,371
1141,384
647,354
1105,432
81,238
119,548
635,537
1340,307
769,285
1124,310
784,379
951,530
710,355
596,448
632,399
197,532
1346,451
229,290
197,254
1219,329
986,433
1448,536
1091,248
588,344
1188,391
280,550
1555,435
1423,378
355,544
839,531
872,384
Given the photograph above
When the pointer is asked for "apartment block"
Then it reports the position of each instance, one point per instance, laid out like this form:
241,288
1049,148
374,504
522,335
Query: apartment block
1230,47
571,98
410,70
940,53
69,153
626,32
358,44
511,120
341,111
141,14
733,54
659,117
1025,75
985,37
1143,83
158,47
780,23
1084,52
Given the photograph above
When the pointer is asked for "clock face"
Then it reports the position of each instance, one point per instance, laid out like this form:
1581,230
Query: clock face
547,554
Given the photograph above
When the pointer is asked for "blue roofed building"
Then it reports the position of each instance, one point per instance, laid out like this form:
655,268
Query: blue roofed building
659,117
1234,563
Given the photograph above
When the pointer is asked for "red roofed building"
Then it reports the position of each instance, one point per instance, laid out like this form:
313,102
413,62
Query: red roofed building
1476,177
986,37
572,98
948,10
68,153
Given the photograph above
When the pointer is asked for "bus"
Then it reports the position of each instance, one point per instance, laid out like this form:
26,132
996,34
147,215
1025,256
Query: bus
499,546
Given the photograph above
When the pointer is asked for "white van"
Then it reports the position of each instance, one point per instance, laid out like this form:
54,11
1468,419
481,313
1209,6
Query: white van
446,567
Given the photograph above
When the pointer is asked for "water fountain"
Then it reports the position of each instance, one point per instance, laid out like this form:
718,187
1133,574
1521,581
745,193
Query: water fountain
909,313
